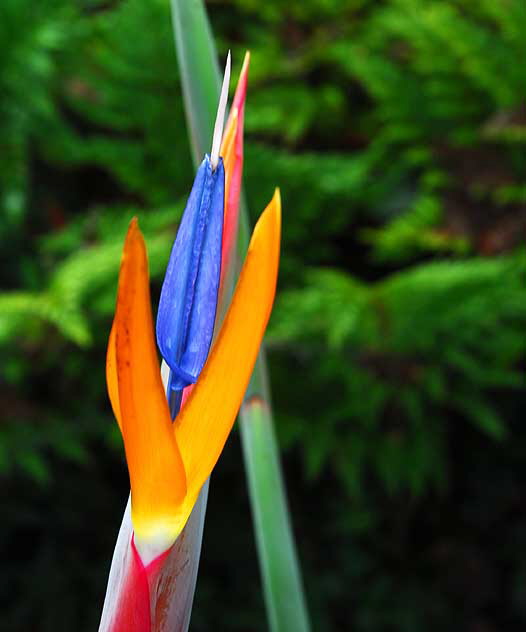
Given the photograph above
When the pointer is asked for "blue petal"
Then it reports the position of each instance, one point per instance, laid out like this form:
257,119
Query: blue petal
187,309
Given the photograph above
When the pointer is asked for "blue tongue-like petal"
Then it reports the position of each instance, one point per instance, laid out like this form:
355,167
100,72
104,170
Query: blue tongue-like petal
187,309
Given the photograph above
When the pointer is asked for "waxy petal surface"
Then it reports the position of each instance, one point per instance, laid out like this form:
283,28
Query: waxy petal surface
157,476
205,421
111,377
187,308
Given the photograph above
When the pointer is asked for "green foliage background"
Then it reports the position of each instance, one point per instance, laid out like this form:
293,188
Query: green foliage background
397,134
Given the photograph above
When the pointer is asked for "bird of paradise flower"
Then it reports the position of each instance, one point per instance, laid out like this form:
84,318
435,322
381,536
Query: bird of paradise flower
174,427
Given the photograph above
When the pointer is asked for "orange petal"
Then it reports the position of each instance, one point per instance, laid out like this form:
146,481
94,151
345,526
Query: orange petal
204,423
157,477
111,377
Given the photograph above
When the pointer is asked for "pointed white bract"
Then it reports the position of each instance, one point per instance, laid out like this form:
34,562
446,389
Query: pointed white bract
220,117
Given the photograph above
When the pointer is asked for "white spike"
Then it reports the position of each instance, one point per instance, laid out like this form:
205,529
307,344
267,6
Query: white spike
220,118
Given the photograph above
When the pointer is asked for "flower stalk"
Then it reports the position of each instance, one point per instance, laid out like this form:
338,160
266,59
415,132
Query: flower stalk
284,598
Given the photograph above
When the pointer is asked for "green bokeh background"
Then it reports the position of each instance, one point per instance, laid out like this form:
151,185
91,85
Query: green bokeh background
396,130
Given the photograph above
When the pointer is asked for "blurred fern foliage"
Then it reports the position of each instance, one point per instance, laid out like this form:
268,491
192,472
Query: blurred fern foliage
397,134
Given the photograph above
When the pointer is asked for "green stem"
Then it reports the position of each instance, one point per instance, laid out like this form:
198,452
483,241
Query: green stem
280,572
